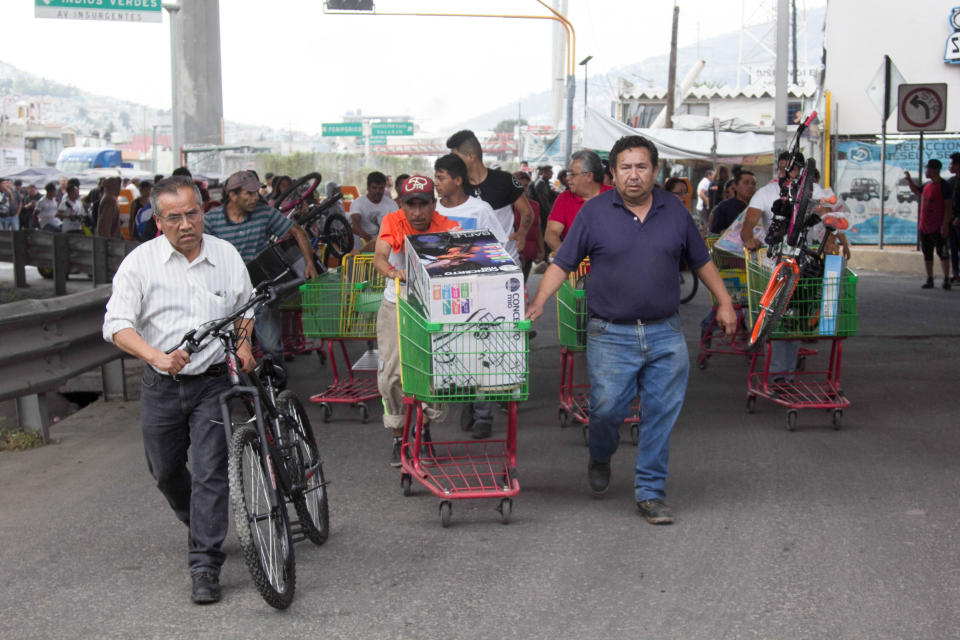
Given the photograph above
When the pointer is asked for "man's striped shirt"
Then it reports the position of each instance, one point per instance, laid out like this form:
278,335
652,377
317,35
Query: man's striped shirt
251,236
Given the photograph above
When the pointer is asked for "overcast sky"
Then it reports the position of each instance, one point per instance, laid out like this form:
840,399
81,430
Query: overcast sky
287,64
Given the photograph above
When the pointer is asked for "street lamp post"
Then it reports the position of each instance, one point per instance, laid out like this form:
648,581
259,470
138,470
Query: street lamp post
173,10
583,63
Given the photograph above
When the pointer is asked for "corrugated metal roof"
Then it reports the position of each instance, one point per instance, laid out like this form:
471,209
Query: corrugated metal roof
721,93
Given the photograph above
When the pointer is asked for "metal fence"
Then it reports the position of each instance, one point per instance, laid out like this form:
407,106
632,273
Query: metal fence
59,254
45,343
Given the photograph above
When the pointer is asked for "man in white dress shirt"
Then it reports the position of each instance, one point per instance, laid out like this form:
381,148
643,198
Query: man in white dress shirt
162,289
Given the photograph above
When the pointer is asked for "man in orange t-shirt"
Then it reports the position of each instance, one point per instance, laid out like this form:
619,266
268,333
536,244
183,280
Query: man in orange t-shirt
418,215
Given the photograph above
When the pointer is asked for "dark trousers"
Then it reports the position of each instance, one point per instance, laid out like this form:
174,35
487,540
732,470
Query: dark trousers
954,239
177,415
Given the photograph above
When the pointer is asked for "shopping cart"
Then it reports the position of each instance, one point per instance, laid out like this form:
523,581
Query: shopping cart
822,309
572,334
713,338
340,306
481,361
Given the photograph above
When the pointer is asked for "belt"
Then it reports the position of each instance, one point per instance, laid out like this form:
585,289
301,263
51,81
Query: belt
639,321
213,371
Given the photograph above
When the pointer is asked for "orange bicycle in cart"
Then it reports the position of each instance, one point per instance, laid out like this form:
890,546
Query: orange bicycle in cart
795,215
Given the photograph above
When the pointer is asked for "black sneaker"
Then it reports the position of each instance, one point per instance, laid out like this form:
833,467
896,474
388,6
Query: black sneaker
946,284
655,511
928,284
395,456
481,430
206,588
598,474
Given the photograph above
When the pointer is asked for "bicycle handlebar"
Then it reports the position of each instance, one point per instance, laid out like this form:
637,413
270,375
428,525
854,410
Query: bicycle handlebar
316,211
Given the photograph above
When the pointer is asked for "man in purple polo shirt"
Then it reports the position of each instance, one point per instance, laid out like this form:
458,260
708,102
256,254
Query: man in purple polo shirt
635,236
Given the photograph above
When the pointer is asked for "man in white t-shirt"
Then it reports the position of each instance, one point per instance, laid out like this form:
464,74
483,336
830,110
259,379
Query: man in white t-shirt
367,211
703,194
450,174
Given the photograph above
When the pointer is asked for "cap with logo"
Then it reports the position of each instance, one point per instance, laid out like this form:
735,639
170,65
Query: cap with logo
417,188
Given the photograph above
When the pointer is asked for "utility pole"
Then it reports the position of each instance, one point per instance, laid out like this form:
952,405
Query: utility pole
173,11
672,69
780,89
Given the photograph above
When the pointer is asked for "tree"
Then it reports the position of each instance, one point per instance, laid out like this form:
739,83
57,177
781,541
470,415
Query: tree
507,126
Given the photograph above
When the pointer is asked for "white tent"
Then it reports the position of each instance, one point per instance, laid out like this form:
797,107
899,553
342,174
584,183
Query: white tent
600,132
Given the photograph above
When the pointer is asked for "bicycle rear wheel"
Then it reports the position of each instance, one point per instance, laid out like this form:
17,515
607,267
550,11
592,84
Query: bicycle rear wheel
264,531
338,235
299,191
311,501
773,303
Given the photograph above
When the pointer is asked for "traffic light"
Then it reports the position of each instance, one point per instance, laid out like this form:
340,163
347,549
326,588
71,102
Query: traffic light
348,5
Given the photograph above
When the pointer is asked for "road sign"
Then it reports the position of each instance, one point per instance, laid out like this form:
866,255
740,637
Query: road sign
375,140
391,129
116,11
922,107
876,90
342,129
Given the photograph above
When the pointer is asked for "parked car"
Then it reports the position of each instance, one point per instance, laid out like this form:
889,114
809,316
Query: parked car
864,189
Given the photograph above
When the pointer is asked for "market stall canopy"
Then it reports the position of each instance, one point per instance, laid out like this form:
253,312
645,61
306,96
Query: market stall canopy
36,176
600,132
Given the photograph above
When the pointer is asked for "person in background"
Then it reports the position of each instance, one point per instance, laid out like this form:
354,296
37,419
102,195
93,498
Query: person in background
140,213
703,194
533,248
30,199
46,211
70,212
563,179
278,187
108,221
399,184
954,239
727,211
585,180
368,210
715,193
543,193
9,215
936,213
678,187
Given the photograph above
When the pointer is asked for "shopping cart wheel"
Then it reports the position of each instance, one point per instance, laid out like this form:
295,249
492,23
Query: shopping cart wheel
506,510
837,419
364,413
791,419
586,435
751,403
446,510
563,416
327,411
635,433
406,484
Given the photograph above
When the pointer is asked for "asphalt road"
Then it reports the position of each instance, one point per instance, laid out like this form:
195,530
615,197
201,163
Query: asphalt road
811,534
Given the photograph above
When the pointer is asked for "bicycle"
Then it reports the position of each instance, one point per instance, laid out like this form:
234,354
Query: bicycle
793,258
273,459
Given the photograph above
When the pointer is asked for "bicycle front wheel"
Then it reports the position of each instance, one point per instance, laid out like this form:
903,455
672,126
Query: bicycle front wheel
773,303
688,285
264,531
310,501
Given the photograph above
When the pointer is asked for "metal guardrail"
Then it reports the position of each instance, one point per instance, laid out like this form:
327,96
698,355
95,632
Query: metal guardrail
62,253
45,343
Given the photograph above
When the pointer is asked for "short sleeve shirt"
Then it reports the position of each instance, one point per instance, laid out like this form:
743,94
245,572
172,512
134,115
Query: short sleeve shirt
725,213
251,236
500,190
371,213
567,206
634,265
394,229
932,205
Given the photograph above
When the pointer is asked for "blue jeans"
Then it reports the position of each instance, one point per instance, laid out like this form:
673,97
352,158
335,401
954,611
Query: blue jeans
268,328
9,222
626,359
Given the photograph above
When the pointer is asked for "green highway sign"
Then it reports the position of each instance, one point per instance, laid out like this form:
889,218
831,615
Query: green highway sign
375,140
109,10
343,129
391,129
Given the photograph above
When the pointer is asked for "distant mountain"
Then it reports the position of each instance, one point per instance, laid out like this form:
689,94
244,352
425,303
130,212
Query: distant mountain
720,53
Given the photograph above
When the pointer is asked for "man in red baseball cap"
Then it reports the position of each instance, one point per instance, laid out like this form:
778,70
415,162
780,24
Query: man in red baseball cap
418,215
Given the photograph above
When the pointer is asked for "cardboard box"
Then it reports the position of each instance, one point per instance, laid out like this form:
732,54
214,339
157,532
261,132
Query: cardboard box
468,277
833,270
460,276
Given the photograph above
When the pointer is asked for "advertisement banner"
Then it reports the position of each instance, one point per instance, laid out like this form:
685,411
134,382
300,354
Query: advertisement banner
857,187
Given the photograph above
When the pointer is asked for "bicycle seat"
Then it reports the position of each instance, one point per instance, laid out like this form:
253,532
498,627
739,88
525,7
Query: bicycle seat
836,222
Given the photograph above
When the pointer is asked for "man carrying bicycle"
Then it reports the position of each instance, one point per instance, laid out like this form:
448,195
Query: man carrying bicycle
164,288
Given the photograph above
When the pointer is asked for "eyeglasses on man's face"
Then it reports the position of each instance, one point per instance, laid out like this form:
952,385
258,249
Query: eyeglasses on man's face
178,218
